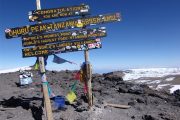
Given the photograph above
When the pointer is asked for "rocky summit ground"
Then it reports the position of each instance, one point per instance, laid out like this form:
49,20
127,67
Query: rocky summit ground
25,102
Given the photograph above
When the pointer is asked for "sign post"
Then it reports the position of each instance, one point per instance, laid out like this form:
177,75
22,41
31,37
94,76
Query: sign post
88,75
40,40
47,102
88,78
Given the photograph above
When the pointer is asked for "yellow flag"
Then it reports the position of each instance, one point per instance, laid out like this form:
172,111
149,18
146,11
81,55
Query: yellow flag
71,96
36,67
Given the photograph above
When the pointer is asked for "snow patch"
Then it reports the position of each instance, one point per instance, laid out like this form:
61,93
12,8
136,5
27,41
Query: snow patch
161,86
154,82
170,79
151,86
15,69
174,88
134,74
142,81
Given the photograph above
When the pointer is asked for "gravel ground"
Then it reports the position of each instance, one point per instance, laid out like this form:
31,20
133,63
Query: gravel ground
146,104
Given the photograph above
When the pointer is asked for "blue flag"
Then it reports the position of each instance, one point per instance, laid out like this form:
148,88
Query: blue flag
59,60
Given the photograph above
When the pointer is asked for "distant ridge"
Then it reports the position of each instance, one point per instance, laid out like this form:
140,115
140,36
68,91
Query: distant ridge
15,69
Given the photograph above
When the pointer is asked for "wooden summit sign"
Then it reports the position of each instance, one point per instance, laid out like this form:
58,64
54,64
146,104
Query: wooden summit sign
62,48
44,14
73,23
41,39
63,36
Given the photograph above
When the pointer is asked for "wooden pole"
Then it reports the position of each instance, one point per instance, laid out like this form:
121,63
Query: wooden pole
88,78
88,75
47,102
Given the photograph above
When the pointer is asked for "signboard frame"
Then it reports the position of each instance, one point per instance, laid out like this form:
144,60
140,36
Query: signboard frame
63,36
62,25
53,13
61,48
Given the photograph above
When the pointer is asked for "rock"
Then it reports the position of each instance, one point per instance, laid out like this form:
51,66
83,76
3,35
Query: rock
140,100
177,94
136,89
131,103
122,90
165,116
148,117
53,72
114,76
176,103
81,109
96,75
10,115
133,117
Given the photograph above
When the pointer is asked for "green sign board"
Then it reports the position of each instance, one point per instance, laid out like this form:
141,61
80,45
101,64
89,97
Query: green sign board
44,14
73,23
62,48
63,36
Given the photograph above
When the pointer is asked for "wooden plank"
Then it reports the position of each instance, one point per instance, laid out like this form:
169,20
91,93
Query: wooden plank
7,108
118,105
63,36
69,24
60,45
71,11
28,52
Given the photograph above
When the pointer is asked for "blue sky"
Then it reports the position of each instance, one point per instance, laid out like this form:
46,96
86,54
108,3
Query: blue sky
148,35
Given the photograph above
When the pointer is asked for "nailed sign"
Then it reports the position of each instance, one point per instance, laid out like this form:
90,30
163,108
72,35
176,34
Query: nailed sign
61,48
44,14
73,23
63,36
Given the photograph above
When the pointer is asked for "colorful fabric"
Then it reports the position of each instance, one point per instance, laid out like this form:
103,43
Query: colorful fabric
85,88
77,75
50,93
59,60
36,66
74,86
83,72
71,96
45,60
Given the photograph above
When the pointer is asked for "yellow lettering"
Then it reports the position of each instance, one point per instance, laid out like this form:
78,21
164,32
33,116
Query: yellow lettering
62,14
55,15
70,23
61,10
110,18
43,28
46,16
65,33
58,25
34,28
45,52
18,31
27,54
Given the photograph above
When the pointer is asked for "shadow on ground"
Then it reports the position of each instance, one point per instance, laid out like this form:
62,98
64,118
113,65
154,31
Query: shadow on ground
25,103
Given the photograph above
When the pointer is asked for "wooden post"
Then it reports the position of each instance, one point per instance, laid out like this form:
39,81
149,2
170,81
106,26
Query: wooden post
47,102
88,78
88,75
